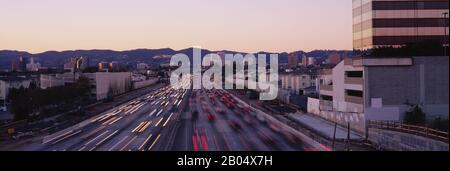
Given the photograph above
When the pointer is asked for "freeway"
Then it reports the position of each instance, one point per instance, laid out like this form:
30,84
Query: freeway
179,120
139,125
218,121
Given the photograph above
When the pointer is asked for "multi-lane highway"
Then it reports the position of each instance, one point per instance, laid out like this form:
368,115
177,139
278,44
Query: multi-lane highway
138,125
181,120
215,120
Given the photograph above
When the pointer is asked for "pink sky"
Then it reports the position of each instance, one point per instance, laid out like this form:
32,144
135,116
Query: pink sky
242,25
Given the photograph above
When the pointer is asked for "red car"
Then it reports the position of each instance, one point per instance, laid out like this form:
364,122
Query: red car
274,127
248,120
293,139
195,115
211,117
266,138
234,125
220,111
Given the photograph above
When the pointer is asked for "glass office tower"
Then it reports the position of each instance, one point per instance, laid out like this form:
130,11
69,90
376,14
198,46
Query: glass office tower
397,22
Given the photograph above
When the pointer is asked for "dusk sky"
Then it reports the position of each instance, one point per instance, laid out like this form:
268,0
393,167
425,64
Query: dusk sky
242,25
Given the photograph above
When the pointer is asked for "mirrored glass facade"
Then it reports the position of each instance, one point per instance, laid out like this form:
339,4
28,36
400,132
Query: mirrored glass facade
397,22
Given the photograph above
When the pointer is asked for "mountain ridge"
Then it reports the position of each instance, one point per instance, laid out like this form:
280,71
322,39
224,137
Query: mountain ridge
58,58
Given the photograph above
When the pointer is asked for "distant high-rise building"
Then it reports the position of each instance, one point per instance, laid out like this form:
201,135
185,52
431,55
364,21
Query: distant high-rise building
394,23
311,61
104,66
82,63
293,60
19,64
77,63
33,66
305,61
115,66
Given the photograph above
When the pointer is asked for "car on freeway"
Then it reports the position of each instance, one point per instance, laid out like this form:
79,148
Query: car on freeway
220,111
291,138
261,118
248,110
274,127
248,120
213,101
253,114
211,96
205,109
20,135
234,125
211,117
267,139
195,115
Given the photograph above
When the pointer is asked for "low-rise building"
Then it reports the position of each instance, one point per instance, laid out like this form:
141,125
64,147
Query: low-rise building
102,83
142,66
60,79
296,82
358,90
9,83
106,84
295,86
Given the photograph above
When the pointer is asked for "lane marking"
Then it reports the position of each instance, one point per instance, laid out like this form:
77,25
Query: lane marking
117,144
158,122
92,133
109,120
168,119
144,127
114,121
128,143
139,126
92,140
153,112
67,136
145,142
82,148
59,136
106,138
154,142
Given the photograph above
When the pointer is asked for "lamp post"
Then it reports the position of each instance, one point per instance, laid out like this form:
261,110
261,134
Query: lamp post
445,14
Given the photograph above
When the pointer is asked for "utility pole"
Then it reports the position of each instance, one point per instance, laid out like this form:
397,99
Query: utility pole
445,14
334,136
348,137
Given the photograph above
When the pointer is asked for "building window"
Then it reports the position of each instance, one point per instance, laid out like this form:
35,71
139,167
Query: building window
327,98
301,92
355,74
354,93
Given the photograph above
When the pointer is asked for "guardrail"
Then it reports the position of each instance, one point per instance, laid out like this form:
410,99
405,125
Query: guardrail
411,129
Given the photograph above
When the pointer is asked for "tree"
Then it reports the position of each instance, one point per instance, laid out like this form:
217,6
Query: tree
33,85
415,116
424,48
49,101
109,94
20,104
441,124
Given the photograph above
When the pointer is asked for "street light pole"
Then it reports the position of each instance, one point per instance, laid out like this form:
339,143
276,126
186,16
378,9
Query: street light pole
445,33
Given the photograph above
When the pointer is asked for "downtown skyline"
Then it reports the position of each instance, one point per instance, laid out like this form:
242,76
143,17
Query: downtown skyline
284,26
